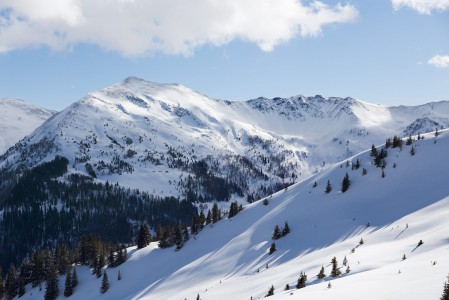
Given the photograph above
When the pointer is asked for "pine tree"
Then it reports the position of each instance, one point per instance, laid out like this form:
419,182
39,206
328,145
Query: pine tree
286,229
328,187
445,295
335,269
412,151
287,287
20,286
2,284
272,248
104,283
209,217
364,172
373,151
119,276
178,237
216,213
276,232
11,283
270,292
144,237
321,275
404,257
348,269
52,284
345,183
301,281
345,261
74,279
68,290
409,140
198,297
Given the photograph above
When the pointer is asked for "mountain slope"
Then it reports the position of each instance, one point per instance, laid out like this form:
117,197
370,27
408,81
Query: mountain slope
18,119
229,259
136,130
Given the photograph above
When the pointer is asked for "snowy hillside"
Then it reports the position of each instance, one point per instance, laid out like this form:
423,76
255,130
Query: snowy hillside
18,119
152,136
230,260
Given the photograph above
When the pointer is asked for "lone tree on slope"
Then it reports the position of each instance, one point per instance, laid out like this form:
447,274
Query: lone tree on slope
328,187
345,183
321,275
104,283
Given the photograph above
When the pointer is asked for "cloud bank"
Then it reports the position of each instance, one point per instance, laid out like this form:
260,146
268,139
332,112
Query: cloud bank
422,6
439,61
140,27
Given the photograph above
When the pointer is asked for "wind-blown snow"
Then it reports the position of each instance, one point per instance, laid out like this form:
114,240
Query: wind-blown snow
229,259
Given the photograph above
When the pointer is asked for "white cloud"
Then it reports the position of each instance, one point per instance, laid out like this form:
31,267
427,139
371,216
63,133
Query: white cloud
439,61
139,27
422,6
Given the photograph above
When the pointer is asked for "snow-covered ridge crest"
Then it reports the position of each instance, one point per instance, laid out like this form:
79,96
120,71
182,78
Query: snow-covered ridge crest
135,130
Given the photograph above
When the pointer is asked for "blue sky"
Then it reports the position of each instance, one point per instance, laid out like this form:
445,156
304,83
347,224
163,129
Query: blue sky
391,52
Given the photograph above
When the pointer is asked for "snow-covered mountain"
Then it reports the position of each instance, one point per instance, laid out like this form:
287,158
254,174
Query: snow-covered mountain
18,119
153,136
400,211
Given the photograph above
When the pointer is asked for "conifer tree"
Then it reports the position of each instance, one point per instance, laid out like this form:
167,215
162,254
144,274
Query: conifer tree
345,261
270,292
335,269
209,217
445,295
2,284
348,269
74,279
287,287
276,232
104,283
202,219
328,187
345,183
11,283
364,172
373,151
286,229
409,140
198,297
144,237
301,281
216,213
321,274
412,151
178,237
20,286
272,248
68,290
119,276
52,284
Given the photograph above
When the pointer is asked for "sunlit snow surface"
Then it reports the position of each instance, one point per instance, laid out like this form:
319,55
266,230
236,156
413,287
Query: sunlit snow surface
228,260
18,119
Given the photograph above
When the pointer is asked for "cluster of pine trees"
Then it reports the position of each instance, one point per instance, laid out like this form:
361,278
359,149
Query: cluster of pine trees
44,266
40,211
